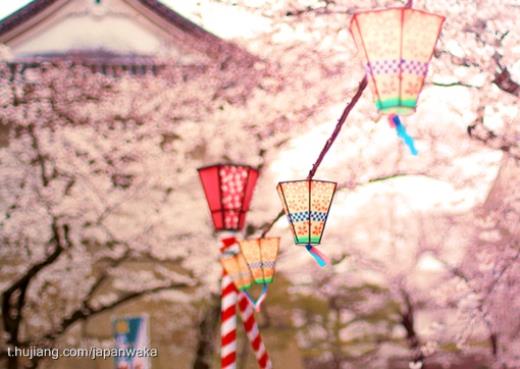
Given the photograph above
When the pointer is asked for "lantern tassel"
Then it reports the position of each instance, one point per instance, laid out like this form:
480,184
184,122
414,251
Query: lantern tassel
320,258
261,298
401,133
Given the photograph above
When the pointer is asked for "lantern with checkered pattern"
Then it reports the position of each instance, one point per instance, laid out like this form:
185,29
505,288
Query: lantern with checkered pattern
229,190
396,45
306,204
260,255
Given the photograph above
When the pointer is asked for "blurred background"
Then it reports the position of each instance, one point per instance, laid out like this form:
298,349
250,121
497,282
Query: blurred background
107,107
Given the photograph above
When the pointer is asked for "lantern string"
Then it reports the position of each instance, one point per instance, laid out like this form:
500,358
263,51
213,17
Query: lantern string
268,227
402,133
361,87
258,303
261,298
337,129
249,297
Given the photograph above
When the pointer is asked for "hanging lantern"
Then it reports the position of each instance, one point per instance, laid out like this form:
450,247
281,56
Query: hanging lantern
229,189
236,267
260,255
396,45
307,204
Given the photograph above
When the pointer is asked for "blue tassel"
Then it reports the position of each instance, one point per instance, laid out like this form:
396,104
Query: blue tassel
321,262
401,132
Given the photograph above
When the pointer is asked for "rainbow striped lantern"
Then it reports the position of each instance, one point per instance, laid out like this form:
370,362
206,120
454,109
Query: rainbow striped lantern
229,190
260,255
307,204
397,45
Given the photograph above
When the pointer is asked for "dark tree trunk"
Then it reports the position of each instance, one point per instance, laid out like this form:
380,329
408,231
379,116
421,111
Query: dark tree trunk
243,354
494,344
408,322
206,335
12,362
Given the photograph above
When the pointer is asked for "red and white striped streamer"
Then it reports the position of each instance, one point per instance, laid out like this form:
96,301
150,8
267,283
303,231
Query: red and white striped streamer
228,327
251,328
228,313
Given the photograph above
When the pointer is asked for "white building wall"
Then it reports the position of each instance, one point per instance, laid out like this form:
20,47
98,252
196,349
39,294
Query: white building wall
112,26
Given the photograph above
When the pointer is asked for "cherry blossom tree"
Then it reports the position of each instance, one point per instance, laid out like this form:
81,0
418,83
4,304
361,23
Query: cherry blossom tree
101,203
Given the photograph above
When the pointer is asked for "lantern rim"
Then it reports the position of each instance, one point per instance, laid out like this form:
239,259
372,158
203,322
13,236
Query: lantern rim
398,109
228,165
390,9
227,230
260,238
354,16
308,180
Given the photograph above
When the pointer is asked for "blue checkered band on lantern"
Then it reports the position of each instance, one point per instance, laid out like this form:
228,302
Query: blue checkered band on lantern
395,65
256,264
304,216
268,264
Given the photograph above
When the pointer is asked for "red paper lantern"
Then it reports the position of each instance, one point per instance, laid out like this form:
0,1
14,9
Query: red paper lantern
229,190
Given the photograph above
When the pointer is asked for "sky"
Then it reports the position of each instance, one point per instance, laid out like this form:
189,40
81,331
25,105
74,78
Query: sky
9,6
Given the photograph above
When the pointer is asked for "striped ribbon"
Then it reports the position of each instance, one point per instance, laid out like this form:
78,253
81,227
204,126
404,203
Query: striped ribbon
228,328
248,318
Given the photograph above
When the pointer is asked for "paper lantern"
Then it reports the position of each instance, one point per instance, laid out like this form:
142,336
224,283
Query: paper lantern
306,204
396,45
260,255
236,266
229,189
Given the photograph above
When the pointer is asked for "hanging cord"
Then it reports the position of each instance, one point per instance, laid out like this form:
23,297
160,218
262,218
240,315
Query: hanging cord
249,297
361,87
337,129
258,303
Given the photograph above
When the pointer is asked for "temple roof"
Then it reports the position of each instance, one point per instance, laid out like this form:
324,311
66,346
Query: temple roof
168,22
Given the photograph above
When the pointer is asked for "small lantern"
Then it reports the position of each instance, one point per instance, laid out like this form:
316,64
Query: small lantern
260,255
307,204
229,189
236,266
397,45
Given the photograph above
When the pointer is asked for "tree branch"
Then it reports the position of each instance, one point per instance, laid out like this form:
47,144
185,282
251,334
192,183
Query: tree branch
85,312
266,228
12,310
328,144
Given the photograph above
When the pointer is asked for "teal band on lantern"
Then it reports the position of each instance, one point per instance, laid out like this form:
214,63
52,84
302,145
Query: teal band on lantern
245,287
305,240
267,280
396,105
